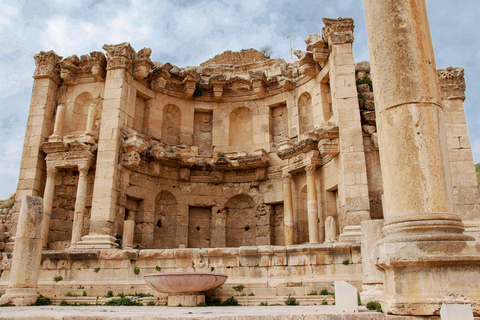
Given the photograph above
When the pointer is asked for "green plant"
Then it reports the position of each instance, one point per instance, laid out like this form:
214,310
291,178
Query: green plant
143,295
157,268
122,301
324,303
136,270
180,147
202,304
239,288
359,299
80,287
96,270
57,278
171,150
230,302
361,97
211,301
251,294
346,262
150,303
312,293
212,269
263,304
291,301
179,305
324,292
198,91
109,294
84,293
42,301
366,80
193,266
118,241
64,303
221,155
68,294
374,305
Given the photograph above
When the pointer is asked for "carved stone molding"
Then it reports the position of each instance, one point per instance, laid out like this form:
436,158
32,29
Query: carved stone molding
51,172
99,63
83,169
143,65
120,56
337,31
217,82
299,147
318,47
47,66
74,70
310,169
452,83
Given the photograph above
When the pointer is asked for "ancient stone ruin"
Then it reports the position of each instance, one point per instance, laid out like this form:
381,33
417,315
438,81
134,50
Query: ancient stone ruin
279,175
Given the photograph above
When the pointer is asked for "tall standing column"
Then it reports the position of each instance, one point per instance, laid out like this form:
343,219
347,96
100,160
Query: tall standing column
312,204
48,202
59,120
80,204
421,228
287,208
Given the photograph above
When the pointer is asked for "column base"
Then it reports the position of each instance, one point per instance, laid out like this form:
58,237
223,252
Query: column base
20,296
420,276
351,234
96,242
191,300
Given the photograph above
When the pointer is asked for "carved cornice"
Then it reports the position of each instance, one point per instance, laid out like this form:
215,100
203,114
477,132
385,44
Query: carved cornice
99,63
287,177
120,56
452,83
337,31
74,69
328,146
143,65
47,66
301,146
318,47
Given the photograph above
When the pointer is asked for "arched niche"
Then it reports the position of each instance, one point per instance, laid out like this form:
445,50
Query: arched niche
241,224
165,221
305,113
80,112
171,125
240,127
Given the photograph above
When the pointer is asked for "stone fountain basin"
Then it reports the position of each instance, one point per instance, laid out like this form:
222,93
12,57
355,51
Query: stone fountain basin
185,282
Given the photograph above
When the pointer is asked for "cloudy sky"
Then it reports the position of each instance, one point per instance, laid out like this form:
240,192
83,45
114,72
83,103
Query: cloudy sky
188,32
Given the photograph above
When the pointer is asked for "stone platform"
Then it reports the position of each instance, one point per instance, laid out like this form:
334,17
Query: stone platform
233,313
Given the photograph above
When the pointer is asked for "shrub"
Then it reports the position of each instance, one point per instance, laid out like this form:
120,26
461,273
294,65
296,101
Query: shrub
42,301
150,303
57,278
312,293
122,301
361,97
346,262
109,294
64,303
239,288
366,80
324,303
324,292
136,270
291,301
230,302
263,304
202,304
84,293
374,305
157,268
96,270
251,294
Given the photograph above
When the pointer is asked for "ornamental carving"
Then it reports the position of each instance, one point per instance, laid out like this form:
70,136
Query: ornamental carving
120,56
287,177
297,148
73,69
452,83
99,63
337,31
143,65
310,169
47,65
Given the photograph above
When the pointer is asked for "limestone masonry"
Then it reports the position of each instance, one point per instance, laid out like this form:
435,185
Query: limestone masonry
279,175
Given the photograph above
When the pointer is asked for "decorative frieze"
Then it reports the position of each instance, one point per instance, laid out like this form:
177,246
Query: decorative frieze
301,146
47,66
337,31
452,83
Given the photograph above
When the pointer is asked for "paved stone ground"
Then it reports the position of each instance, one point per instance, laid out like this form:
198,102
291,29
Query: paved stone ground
173,313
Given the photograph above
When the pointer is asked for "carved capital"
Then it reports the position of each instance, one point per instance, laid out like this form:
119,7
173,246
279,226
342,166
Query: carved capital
287,177
51,172
337,31
310,169
83,169
47,66
120,56
452,83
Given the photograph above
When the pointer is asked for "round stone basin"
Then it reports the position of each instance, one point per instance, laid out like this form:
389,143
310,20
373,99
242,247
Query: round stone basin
185,283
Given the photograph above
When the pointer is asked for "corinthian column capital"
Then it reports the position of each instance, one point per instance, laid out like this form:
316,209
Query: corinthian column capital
337,31
452,83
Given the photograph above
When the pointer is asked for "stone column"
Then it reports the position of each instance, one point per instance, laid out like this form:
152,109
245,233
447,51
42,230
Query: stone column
59,120
421,228
40,122
78,217
372,283
88,136
117,97
312,203
288,208
27,254
352,185
464,179
128,233
48,202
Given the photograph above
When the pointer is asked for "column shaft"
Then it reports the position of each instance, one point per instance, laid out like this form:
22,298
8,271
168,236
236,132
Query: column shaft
312,204
288,209
128,233
80,205
91,118
48,203
418,198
